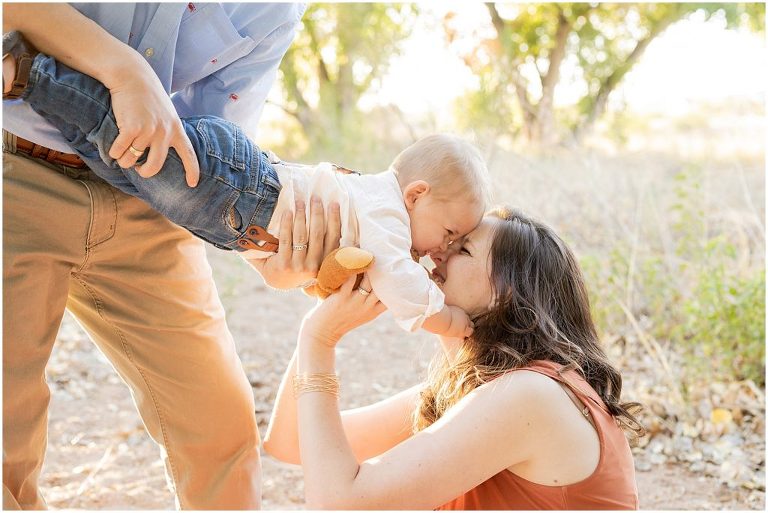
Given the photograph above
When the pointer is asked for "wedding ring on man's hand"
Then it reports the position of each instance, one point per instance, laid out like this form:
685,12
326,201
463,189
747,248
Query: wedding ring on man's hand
136,153
299,247
363,292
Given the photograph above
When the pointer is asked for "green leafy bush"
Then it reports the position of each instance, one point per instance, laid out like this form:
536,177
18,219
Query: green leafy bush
702,299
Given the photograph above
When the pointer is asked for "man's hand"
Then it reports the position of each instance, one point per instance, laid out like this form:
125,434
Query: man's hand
147,121
145,115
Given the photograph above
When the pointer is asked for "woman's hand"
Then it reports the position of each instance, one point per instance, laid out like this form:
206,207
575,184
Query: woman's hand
291,268
147,121
340,313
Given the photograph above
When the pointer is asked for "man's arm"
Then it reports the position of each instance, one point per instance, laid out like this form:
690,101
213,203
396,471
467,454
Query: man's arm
145,115
60,31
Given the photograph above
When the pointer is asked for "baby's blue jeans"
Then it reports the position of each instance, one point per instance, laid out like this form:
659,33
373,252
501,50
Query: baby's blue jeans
238,186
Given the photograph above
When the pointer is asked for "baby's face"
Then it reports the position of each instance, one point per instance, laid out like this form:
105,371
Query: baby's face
436,224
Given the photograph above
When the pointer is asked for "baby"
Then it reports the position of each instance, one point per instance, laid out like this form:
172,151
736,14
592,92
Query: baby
434,192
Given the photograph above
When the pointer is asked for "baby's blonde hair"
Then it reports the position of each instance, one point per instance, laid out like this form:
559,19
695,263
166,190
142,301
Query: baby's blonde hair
451,166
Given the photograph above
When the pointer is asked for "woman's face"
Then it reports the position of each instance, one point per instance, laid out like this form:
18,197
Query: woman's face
463,271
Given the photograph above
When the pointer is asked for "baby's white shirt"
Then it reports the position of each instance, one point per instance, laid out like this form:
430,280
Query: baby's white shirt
373,218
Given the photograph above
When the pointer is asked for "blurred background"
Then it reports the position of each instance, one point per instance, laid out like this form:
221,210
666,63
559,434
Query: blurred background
637,131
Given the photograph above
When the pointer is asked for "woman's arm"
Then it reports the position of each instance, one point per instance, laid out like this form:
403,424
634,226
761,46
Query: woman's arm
371,430
144,112
491,429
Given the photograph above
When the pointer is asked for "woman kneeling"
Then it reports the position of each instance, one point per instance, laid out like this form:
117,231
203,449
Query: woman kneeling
524,414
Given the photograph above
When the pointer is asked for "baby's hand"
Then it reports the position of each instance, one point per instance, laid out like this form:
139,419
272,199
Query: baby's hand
450,321
461,326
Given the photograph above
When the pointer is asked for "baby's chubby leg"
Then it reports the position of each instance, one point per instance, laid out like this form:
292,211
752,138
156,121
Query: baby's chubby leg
238,187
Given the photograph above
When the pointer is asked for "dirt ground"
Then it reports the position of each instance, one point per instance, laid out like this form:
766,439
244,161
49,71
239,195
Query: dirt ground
99,456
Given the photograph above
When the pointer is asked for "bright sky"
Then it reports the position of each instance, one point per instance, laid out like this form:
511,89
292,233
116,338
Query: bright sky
692,60
697,60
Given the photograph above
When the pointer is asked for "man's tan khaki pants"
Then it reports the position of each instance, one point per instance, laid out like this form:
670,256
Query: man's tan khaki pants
143,290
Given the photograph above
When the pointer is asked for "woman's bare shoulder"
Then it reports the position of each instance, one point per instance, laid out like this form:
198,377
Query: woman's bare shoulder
539,394
526,380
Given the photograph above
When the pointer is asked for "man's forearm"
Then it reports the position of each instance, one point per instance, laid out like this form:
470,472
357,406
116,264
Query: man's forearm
60,31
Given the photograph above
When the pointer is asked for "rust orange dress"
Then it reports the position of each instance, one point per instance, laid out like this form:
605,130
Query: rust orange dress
611,486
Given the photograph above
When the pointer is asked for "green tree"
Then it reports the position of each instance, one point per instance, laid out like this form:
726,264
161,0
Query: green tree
521,59
342,52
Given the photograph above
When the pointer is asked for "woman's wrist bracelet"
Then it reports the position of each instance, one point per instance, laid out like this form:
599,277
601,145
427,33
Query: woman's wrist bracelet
319,382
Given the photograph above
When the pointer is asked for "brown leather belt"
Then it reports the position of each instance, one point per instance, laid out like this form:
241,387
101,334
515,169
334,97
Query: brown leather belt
52,156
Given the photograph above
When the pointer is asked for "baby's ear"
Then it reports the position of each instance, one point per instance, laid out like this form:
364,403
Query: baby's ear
414,191
338,266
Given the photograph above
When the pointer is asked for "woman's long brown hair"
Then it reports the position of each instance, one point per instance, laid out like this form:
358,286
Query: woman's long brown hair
540,312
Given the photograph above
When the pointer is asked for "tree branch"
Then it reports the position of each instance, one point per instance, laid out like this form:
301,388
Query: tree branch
612,81
496,19
557,54
314,44
291,82
363,87
545,129
530,112
517,79
399,114
539,73
285,109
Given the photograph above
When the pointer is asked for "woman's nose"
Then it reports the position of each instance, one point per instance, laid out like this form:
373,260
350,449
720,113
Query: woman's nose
440,257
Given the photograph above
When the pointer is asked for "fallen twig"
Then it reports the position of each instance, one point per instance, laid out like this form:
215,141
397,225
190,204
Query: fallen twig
88,481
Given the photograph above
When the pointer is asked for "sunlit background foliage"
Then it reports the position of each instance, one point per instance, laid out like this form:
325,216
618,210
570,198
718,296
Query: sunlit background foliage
665,210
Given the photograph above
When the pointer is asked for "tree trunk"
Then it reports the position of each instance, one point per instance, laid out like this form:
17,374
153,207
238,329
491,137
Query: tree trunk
345,90
545,129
